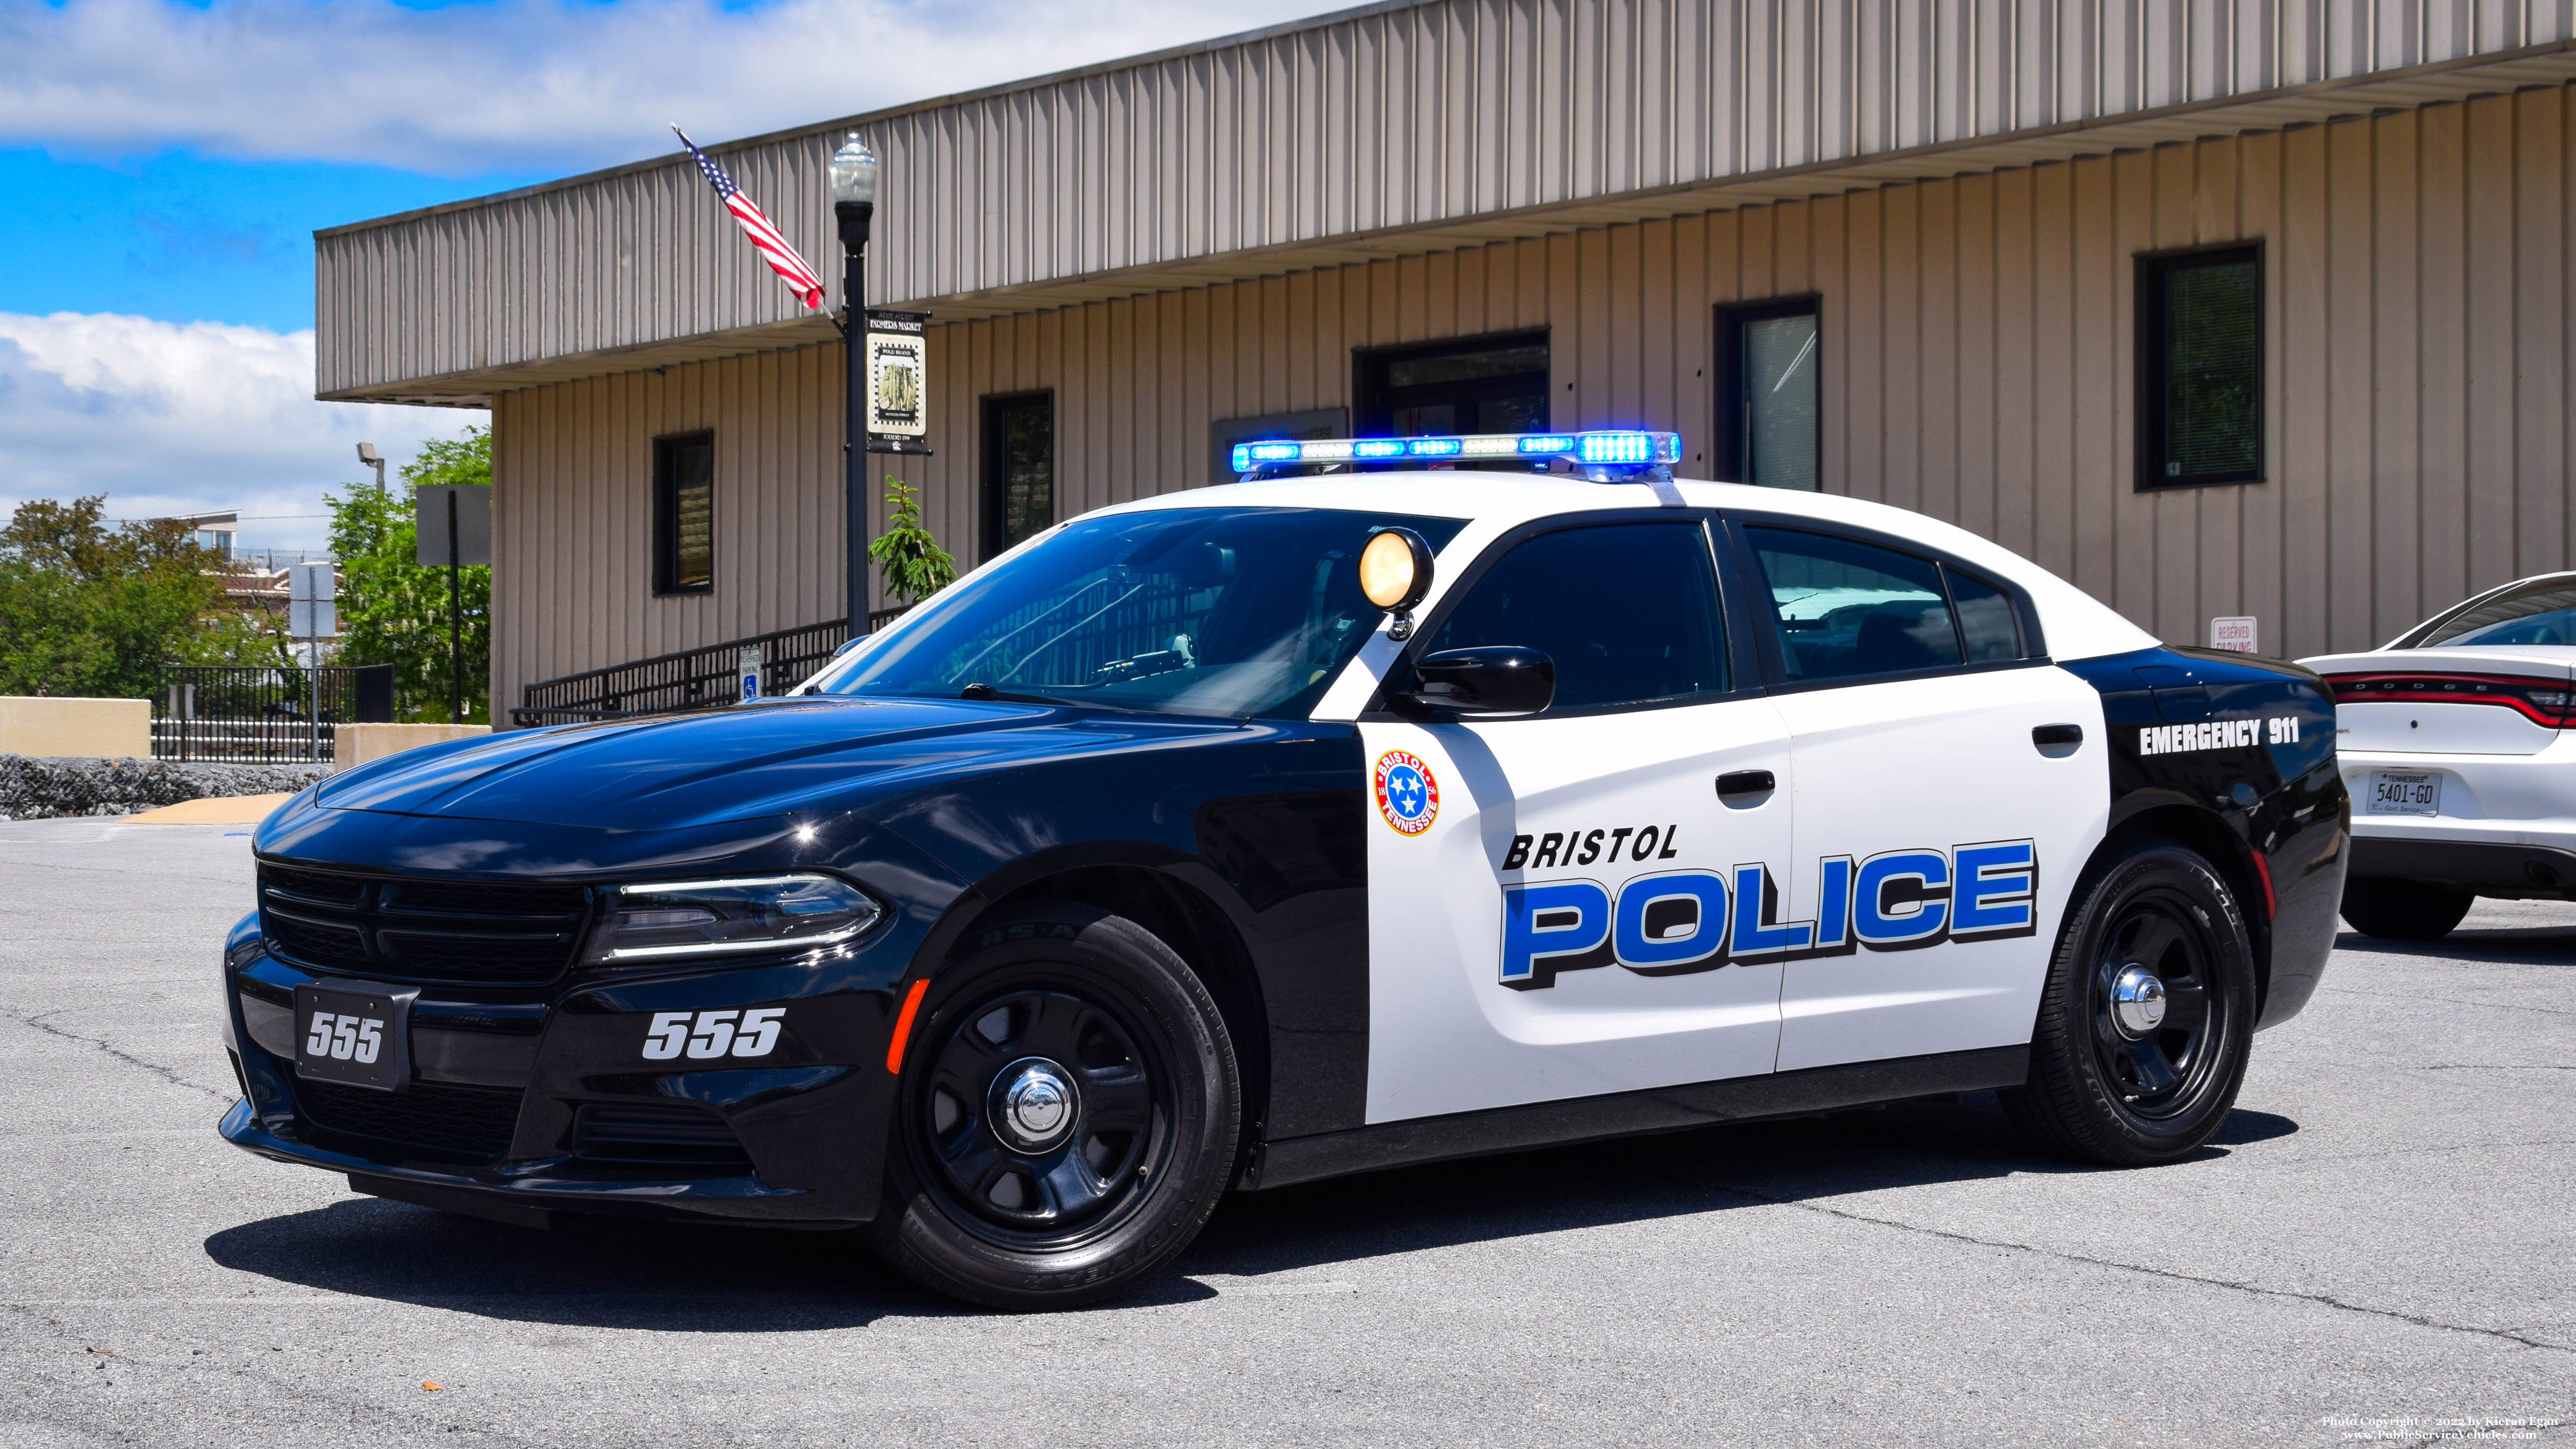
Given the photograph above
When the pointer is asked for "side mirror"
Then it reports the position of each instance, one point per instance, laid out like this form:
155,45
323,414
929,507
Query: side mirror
1491,679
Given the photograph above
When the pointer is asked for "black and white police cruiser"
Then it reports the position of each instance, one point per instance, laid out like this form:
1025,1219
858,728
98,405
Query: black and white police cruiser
1412,799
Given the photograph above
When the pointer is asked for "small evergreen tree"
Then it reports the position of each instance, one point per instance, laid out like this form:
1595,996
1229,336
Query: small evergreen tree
908,556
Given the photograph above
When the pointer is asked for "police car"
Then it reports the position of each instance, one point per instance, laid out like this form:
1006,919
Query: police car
1408,800
2456,744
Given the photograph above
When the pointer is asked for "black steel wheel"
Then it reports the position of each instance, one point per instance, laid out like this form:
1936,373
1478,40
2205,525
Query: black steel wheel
1047,1118
2404,910
2147,1016
1066,1119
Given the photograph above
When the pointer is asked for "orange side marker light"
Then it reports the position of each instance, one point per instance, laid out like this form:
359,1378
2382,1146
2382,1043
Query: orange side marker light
903,1025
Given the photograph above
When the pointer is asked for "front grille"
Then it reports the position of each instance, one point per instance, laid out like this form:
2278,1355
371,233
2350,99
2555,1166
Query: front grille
427,1118
657,1134
411,929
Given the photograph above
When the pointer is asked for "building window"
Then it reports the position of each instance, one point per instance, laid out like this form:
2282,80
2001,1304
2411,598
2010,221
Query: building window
1470,385
684,514
2200,368
1768,421
1019,469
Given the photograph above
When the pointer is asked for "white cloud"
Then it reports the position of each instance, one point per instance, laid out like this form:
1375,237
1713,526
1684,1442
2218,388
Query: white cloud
169,418
520,85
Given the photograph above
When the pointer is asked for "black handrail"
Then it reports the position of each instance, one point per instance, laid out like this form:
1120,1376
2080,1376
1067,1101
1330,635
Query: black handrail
687,679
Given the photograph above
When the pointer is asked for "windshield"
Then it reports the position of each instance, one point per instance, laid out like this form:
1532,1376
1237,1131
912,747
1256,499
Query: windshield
2543,612
1202,611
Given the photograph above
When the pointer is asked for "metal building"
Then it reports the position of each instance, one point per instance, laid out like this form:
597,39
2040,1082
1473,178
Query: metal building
2215,307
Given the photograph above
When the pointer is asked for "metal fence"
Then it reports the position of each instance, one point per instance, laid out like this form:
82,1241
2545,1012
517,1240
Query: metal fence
235,714
701,678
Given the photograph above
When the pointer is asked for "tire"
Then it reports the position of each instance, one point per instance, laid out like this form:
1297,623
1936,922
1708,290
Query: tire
2125,1088
2404,910
1029,1200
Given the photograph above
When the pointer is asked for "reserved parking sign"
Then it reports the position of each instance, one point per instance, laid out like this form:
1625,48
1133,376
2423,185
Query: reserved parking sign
2236,634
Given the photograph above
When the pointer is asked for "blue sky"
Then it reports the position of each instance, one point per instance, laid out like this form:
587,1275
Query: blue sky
184,237
163,164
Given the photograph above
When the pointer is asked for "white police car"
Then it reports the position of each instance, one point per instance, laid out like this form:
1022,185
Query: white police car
2455,741
1471,794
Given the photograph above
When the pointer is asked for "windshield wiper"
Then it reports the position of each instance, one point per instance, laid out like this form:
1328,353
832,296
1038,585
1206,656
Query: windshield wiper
1013,696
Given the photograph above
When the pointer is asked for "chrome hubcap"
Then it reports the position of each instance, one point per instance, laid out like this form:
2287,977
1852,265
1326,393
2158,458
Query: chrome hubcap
2137,1001
1034,1104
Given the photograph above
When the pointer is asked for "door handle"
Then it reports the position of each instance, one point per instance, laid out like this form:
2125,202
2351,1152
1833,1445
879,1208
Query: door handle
2056,736
1745,782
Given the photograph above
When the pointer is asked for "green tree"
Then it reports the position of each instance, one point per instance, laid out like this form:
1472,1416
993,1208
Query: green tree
393,609
86,609
908,556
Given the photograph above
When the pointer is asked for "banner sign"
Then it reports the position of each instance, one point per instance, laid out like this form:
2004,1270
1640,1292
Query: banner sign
898,366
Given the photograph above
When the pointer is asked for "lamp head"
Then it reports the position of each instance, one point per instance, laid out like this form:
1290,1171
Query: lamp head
367,454
854,174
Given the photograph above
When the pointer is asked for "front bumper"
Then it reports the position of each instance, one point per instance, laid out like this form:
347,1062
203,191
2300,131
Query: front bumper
503,1110
2507,827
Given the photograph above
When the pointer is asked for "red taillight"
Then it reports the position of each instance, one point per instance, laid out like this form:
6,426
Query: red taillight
2538,700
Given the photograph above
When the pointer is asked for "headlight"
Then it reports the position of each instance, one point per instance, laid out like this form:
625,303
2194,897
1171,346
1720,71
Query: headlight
728,916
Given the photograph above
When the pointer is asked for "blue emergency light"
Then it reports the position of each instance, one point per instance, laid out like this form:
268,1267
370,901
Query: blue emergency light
1624,450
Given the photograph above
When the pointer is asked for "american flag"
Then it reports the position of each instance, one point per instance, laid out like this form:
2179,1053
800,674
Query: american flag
774,249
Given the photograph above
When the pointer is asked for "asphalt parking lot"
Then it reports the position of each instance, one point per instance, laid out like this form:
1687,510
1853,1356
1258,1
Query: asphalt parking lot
2380,1248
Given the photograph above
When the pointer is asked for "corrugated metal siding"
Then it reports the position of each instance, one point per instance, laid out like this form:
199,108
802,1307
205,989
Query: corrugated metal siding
1398,117
1978,353
573,512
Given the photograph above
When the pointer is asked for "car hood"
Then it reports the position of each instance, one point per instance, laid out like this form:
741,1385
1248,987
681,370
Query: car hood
770,759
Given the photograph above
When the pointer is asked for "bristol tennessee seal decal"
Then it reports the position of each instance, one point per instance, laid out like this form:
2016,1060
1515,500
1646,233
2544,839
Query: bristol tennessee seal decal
1407,794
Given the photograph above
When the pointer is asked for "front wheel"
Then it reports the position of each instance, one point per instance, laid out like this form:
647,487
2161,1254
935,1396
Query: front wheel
2147,1017
1066,1119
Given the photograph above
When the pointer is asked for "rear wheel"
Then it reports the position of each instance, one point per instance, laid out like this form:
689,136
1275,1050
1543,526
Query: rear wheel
1066,1119
2404,910
2147,1017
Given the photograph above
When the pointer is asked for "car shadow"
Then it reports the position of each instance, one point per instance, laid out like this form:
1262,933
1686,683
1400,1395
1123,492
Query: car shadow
587,1271
635,1273
1710,1169
2502,945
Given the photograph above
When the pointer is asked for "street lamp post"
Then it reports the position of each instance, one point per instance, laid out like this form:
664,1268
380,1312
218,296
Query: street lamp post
854,204
368,455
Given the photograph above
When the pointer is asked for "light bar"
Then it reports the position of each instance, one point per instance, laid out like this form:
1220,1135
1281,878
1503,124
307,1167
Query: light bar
1606,449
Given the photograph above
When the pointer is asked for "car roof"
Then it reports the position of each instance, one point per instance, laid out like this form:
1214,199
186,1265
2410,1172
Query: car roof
2077,625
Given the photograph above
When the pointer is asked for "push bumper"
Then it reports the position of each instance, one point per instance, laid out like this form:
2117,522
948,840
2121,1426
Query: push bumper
796,1140
524,1193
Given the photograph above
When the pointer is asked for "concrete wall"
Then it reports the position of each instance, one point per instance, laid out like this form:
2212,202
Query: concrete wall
356,744
91,728
1977,356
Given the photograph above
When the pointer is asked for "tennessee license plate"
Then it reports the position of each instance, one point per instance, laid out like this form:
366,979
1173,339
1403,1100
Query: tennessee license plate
354,1032
2404,792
